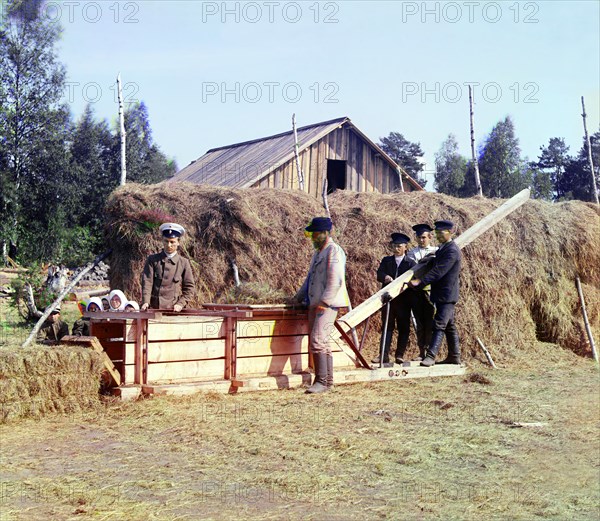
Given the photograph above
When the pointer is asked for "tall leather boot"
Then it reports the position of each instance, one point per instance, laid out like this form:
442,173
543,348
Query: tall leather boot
329,370
453,346
320,382
436,341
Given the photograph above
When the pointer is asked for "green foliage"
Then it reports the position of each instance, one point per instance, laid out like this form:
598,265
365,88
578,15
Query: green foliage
41,294
451,168
145,162
405,153
55,176
500,165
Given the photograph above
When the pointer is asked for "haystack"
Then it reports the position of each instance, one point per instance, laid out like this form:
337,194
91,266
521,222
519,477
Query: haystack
39,380
517,283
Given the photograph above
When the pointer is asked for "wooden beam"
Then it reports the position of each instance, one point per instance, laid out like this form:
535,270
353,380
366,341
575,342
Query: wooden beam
397,286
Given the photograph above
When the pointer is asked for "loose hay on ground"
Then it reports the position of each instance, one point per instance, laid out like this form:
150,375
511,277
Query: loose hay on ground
517,283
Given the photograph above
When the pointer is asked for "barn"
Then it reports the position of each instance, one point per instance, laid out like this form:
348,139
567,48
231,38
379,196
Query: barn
335,150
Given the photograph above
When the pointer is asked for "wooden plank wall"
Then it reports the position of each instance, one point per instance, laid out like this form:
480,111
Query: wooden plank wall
192,348
366,170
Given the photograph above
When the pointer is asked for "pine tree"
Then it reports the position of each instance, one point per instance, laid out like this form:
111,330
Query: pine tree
404,153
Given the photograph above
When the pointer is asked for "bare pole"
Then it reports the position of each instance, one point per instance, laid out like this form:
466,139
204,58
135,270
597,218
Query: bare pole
122,124
588,329
297,155
324,195
399,170
473,156
486,352
589,148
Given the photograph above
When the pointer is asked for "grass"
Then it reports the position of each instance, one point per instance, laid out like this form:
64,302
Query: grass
445,449
442,449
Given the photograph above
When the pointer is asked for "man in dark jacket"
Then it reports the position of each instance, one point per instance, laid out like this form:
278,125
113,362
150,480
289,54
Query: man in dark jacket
444,280
53,329
391,268
167,280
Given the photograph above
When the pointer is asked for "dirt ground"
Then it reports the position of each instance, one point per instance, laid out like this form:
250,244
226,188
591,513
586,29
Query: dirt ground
445,449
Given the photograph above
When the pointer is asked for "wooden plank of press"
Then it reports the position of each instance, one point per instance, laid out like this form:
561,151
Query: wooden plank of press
278,327
375,302
186,350
186,328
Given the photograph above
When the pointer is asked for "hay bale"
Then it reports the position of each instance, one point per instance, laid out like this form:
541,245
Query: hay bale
41,380
517,284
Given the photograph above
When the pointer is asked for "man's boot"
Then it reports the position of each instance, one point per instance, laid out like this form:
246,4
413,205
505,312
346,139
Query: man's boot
436,341
320,382
453,346
329,370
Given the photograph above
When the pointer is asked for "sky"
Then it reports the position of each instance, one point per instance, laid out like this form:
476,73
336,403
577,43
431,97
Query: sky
218,73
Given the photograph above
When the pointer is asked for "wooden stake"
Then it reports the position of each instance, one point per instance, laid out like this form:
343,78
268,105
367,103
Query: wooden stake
62,295
122,124
297,155
486,353
589,147
324,195
586,321
473,156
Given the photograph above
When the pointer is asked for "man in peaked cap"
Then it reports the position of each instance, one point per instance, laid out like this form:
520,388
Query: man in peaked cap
324,291
444,280
167,279
53,329
422,308
390,268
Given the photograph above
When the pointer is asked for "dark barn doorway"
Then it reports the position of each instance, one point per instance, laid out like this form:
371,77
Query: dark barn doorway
336,175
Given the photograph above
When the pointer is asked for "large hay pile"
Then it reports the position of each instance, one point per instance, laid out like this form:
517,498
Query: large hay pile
39,380
517,283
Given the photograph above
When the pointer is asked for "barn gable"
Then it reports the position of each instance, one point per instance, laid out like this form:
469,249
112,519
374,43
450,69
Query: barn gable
335,148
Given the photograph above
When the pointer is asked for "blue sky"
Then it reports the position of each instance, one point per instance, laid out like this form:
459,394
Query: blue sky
216,73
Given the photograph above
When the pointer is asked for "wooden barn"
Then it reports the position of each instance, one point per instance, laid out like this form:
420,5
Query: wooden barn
336,149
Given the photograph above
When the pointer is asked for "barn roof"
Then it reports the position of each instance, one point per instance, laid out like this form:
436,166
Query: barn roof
243,164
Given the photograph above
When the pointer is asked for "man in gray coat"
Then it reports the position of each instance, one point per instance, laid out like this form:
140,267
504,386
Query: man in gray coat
324,291
167,279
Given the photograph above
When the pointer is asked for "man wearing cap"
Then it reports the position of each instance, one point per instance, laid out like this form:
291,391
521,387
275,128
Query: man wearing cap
422,308
53,329
391,268
324,291
444,280
167,279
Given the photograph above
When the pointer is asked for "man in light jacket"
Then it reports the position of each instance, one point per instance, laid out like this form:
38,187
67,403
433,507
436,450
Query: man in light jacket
324,291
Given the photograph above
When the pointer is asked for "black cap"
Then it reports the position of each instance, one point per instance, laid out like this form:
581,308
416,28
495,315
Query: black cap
400,238
420,229
444,225
319,224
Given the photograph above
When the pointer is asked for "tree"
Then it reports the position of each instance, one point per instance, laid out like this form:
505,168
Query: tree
576,183
553,160
500,164
145,161
93,170
404,153
31,118
541,182
450,167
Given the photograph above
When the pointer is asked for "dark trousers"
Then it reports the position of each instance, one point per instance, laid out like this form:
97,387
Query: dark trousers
399,318
423,310
444,319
